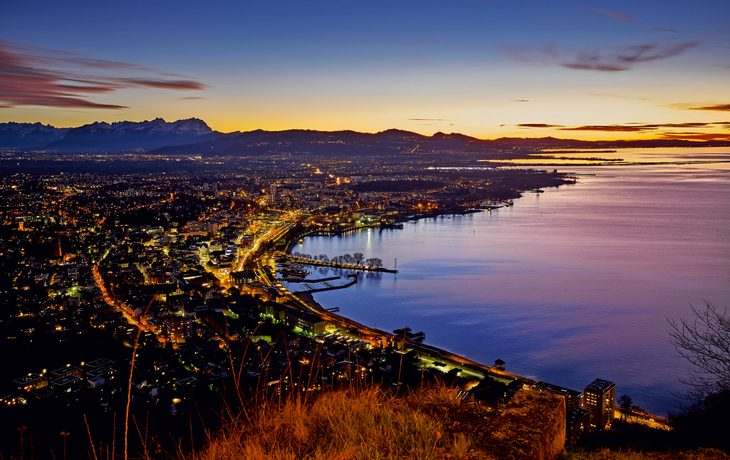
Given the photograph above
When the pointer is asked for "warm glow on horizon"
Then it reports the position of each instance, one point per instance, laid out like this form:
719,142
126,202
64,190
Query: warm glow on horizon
565,71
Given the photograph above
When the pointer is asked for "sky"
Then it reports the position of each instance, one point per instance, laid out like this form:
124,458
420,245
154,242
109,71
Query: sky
640,69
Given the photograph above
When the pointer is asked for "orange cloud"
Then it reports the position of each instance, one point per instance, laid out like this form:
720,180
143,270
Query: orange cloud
696,136
608,128
716,108
539,125
632,127
44,77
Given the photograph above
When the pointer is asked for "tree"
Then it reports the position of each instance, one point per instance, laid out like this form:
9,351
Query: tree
704,342
374,262
625,402
359,257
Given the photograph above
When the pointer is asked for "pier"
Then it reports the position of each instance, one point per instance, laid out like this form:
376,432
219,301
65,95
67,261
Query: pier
304,280
337,265
325,284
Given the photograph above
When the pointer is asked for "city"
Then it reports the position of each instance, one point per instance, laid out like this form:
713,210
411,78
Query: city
196,274
313,230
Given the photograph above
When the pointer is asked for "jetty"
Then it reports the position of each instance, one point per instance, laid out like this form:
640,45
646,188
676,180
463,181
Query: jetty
324,284
320,263
304,280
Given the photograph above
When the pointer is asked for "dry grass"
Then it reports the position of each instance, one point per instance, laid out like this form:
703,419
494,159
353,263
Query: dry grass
703,454
367,423
349,424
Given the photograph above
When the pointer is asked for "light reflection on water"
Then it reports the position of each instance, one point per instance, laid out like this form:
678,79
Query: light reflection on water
567,286
625,156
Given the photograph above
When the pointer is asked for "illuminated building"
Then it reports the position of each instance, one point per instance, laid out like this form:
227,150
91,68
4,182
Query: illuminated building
272,194
181,327
31,382
67,371
599,400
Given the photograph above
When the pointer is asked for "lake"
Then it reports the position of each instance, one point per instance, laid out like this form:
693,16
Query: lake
568,285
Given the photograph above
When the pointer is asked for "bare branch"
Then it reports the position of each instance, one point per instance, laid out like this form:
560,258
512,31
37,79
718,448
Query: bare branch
705,343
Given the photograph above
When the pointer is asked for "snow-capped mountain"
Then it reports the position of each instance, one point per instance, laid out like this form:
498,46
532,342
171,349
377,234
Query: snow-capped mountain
29,135
158,125
130,135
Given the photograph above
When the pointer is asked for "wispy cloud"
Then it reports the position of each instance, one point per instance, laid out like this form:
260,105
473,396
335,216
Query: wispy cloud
166,84
626,57
629,127
608,128
697,136
429,119
520,100
615,15
599,59
191,98
701,131
538,125
684,125
714,108
44,77
660,29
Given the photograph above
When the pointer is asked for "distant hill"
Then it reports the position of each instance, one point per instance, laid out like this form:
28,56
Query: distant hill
340,143
195,137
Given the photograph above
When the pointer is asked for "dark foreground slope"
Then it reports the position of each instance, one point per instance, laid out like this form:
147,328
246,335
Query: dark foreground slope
367,423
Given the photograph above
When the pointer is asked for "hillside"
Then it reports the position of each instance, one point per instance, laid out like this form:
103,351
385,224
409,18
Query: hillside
606,454
432,423
368,423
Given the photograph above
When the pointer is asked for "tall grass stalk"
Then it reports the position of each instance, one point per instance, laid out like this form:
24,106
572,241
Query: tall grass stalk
356,423
129,388
91,440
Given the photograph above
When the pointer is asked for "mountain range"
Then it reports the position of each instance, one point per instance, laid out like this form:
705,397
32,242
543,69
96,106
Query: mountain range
194,137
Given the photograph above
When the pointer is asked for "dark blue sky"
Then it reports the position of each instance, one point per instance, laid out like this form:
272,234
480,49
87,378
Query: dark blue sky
477,67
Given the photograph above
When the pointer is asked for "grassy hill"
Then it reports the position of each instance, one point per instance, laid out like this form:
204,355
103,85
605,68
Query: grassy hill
425,423
368,423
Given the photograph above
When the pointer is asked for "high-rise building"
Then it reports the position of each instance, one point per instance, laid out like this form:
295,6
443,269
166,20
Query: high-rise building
599,400
181,327
272,193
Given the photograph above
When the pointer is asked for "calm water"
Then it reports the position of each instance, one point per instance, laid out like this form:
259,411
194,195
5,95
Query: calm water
567,286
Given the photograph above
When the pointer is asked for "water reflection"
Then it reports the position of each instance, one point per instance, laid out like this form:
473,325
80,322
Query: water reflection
566,286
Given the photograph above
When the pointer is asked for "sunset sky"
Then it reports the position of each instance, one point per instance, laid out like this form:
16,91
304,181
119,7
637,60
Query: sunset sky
619,69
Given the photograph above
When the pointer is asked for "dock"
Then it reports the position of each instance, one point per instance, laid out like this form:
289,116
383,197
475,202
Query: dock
324,284
344,266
